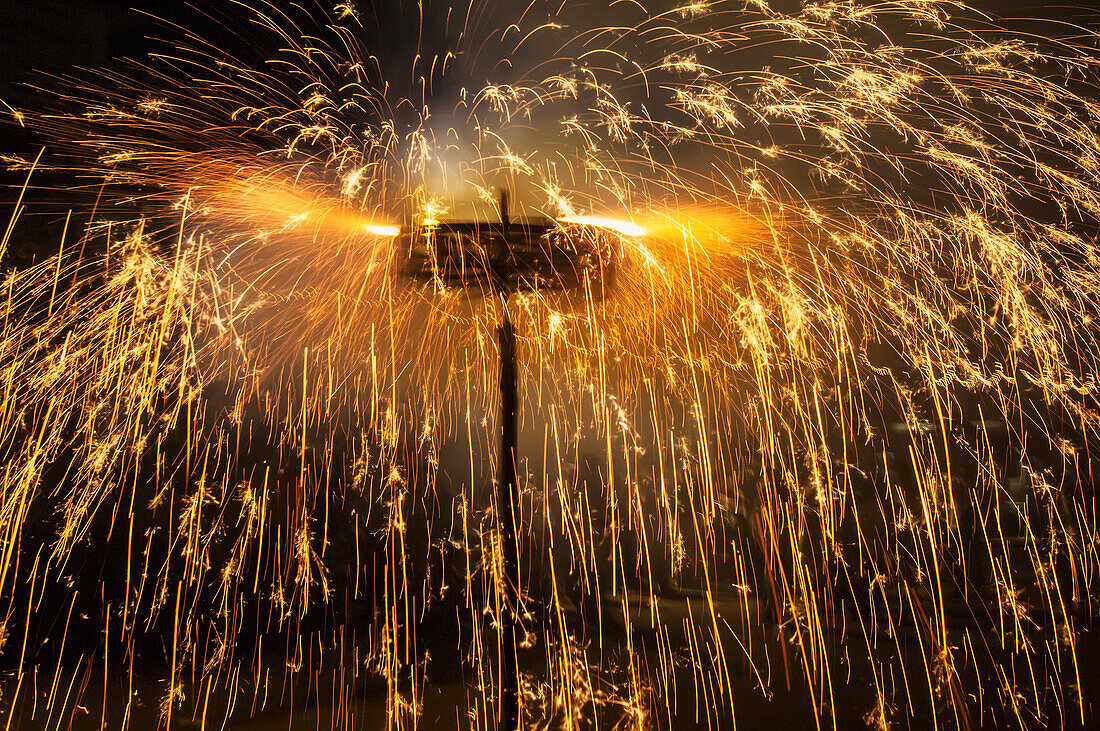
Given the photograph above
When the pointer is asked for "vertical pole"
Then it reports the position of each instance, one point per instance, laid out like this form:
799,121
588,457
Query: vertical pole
506,500
507,488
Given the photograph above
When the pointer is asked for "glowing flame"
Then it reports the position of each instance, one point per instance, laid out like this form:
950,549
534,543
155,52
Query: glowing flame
624,228
382,230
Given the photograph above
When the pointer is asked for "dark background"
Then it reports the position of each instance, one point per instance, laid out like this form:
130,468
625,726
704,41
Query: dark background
41,40
54,36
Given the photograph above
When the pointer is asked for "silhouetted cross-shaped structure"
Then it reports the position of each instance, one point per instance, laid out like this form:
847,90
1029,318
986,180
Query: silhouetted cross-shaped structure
503,258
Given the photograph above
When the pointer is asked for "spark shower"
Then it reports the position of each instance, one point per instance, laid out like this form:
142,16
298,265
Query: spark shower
821,453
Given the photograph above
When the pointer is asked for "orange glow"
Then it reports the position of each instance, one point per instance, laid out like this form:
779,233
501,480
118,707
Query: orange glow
623,228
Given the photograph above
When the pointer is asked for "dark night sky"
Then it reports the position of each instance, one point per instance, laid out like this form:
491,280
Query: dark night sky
42,38
55,36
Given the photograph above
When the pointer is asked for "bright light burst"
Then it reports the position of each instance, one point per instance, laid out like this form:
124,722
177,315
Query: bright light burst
826,435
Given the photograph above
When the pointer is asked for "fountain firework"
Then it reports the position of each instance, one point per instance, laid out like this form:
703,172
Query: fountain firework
825,441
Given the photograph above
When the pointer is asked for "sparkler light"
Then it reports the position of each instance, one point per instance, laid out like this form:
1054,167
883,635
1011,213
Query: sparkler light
808,323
